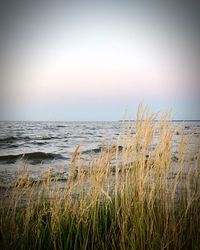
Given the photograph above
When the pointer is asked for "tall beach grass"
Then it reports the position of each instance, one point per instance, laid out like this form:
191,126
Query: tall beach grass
137,194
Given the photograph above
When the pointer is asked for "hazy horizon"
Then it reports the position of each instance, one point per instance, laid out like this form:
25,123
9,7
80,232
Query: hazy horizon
95,121
90,60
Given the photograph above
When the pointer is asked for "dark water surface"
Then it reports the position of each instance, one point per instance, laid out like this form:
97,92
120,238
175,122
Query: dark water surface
44,144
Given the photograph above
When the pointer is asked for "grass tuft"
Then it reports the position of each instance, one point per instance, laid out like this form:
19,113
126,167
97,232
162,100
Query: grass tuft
134,195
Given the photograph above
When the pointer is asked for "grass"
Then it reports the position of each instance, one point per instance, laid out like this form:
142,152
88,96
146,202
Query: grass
150,199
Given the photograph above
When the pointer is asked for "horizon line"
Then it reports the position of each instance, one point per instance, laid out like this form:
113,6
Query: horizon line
120,120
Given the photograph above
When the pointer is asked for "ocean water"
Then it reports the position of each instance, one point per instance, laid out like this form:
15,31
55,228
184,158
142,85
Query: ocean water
51,144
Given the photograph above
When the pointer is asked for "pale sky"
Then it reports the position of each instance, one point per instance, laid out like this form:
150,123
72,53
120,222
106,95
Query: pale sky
89,60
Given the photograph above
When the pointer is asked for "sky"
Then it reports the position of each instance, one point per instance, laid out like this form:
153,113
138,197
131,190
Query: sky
91,60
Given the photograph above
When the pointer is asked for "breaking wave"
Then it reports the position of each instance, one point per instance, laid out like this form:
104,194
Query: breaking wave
35,157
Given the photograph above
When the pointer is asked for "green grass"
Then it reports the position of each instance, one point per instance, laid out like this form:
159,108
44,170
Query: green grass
144,203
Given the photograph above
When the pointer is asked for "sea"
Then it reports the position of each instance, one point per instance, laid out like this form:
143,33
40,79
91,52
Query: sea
44,145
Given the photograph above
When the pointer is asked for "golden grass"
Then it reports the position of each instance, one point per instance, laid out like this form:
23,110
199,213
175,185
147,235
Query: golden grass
130,197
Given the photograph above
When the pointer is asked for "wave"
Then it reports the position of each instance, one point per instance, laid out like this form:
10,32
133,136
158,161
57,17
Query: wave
11,139
8,145
39,143
94,150
98,150
46,138
35,157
